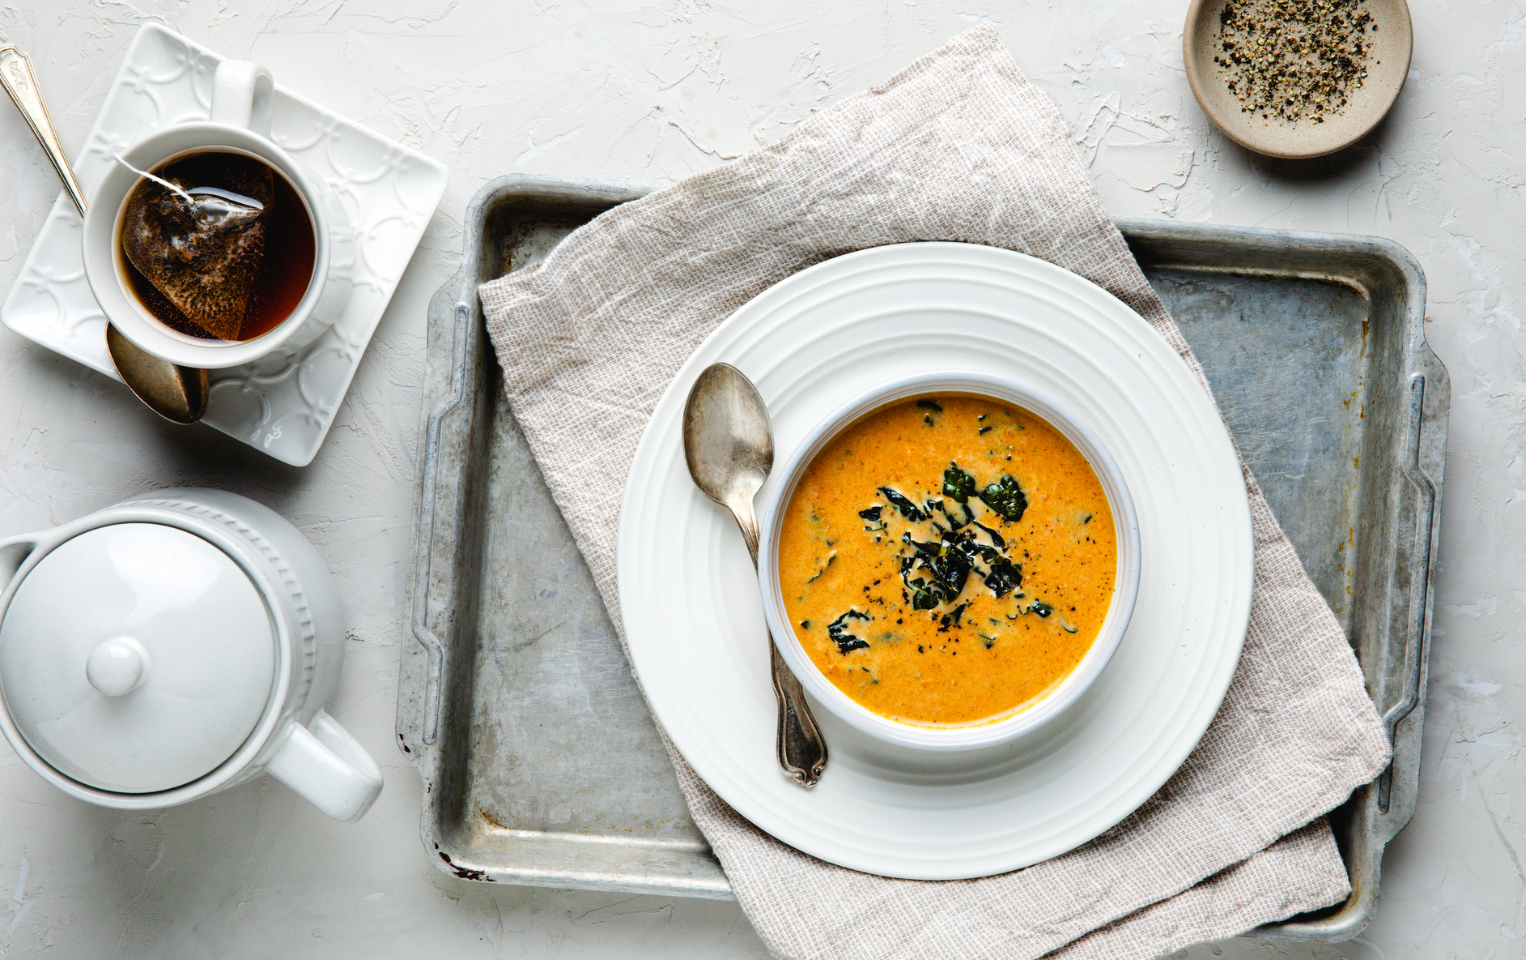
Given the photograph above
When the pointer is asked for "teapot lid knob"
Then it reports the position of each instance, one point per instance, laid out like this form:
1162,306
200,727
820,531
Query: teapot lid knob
117,667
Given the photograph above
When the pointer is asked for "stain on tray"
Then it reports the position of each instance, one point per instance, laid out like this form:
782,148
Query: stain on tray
491,818
465,873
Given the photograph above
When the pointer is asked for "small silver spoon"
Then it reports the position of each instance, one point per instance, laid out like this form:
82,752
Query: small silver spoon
729,446
178,394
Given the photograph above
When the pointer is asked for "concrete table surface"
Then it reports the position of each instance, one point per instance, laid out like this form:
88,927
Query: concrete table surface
617,89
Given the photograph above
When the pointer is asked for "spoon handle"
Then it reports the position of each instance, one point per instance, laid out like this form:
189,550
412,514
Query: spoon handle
21,83
801,747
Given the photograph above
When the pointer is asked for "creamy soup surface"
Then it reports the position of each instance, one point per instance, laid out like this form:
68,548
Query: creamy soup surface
948,559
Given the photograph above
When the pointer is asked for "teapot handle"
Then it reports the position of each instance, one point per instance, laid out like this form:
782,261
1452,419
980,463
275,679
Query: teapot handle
241,93
328,768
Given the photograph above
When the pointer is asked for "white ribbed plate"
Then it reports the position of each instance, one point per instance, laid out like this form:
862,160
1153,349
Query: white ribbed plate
693,617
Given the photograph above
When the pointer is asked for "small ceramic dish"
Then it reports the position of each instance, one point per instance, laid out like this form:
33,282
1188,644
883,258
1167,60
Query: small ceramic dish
1027,718
1390,44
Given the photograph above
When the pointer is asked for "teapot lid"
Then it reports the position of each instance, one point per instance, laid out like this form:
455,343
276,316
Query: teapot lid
136,657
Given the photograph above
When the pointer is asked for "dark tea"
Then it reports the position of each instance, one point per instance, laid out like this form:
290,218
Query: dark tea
217,245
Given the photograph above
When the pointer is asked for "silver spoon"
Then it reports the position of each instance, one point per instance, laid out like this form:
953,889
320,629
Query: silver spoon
729,447
178,394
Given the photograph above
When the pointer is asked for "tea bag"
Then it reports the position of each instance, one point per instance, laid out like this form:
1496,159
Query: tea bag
199,244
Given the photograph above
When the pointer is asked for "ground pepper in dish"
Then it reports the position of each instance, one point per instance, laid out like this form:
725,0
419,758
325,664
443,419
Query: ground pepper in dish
1294,60
948,559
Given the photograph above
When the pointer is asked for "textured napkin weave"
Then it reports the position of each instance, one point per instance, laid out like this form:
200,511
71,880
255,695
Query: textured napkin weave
959,146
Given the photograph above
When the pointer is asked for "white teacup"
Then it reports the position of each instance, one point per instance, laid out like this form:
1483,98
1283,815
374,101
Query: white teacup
240,123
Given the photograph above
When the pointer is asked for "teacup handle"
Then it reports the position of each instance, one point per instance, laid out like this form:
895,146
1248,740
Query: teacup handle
241,93
328,768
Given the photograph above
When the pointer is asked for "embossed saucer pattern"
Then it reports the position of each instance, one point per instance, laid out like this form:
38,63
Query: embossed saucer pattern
283,405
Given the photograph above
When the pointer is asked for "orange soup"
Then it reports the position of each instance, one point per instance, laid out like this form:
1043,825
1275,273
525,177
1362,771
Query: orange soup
947,559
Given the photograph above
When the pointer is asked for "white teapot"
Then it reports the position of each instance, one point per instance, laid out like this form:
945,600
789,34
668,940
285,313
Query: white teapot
174,645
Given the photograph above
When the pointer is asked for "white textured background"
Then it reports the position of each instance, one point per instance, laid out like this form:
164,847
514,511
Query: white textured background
622,89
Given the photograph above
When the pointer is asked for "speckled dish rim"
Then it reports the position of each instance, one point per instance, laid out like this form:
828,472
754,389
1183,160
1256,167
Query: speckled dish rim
1201,12
1050,704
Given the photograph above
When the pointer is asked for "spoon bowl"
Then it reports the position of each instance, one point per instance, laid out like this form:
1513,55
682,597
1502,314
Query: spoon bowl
728,441
178,394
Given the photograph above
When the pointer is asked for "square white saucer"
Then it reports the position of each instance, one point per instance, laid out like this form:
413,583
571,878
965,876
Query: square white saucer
285,404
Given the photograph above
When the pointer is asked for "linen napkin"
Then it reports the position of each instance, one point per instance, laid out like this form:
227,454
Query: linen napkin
958,146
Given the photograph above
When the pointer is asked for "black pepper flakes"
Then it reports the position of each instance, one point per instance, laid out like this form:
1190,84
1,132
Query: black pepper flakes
1294,60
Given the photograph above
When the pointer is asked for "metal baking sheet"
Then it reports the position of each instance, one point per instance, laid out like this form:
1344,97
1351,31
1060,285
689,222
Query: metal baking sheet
540,762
